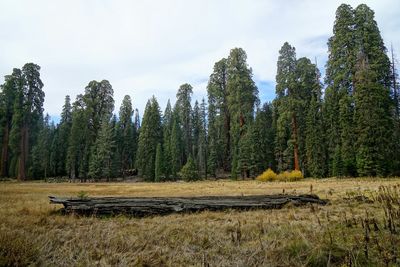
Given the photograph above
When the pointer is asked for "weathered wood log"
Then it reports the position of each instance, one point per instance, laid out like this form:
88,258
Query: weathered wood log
145,206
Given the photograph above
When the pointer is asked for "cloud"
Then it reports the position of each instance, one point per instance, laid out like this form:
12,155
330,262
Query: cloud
147,48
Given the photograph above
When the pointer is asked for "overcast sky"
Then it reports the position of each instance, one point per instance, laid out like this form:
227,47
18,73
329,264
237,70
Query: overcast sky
152,47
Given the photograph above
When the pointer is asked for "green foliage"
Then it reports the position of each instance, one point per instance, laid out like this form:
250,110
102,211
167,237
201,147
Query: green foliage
183,109
159,169
242,99
103,152
150,136
189,171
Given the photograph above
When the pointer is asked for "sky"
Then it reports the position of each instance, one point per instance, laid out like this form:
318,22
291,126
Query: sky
147,48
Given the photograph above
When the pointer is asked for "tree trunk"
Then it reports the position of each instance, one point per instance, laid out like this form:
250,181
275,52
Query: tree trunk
4,152
23,154
227,152
150,206
296,146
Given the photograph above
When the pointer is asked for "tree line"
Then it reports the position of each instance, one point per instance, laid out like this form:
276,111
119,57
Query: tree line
347,125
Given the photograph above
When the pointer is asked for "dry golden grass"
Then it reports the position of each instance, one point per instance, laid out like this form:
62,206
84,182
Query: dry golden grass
33,232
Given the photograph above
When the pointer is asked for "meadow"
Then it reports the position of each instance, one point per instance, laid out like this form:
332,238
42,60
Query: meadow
359,227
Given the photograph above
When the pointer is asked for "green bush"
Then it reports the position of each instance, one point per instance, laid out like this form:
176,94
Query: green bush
189,171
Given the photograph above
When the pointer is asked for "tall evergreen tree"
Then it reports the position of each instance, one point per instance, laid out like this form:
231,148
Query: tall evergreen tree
12,85
125,132
60,142
339,100
159,168
373,121
167,124
150,136
103,152
263,139
242,98
77,154
176,146
285,106
28,110
203,140
219,118
184,109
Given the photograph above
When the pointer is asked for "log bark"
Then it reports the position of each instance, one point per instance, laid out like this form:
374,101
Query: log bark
147,206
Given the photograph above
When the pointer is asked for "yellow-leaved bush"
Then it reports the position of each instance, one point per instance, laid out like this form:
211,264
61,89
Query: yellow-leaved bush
267,176
289,176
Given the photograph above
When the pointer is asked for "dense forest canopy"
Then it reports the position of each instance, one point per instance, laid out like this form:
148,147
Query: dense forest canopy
346,125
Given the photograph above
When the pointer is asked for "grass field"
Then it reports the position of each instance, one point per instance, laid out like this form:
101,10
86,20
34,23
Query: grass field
351,231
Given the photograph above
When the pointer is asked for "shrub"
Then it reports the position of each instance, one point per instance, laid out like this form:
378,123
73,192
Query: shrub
283,176
295,176
189,171
267,176
291,176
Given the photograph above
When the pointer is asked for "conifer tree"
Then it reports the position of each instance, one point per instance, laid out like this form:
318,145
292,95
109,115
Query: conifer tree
189,171
285,103
373,121
12,85
242,98
159,169
184,111
339,100
176,147
219,118
203,140
150,136
263,139
28,110
125,134
102,152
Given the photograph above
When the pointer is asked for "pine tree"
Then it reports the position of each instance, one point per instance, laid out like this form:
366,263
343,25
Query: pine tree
167,124
176,147
159,169
41,151
77,154
60,141
219,118
315,143
189,171
339,79
373,121
196,128
285,105
242,98
150,136
28,110
263,139
12,85
184,110
203,140
125,134
102,152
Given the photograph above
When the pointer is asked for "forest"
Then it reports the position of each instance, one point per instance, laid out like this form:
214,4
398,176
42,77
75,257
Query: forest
344,125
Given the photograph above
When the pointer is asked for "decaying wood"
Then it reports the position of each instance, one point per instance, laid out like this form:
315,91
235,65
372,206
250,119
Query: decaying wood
145,206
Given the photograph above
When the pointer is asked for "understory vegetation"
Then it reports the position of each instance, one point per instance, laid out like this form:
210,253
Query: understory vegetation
359,227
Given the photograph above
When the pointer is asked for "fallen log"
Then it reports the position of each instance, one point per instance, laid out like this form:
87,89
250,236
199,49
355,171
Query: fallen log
146,206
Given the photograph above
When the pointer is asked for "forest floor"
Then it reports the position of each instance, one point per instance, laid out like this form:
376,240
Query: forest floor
360,226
